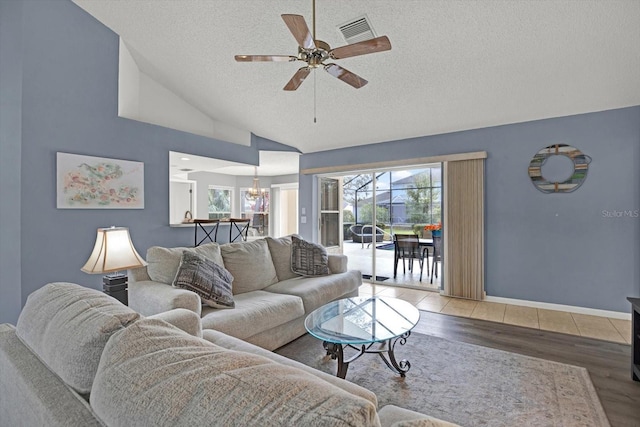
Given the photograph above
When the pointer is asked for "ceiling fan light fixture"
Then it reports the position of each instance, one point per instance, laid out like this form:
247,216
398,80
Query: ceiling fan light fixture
315,52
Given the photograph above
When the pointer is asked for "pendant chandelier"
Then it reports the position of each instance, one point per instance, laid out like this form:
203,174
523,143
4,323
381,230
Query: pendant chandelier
254,192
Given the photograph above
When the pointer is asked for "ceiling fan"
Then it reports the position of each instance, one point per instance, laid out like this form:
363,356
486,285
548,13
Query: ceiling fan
315,52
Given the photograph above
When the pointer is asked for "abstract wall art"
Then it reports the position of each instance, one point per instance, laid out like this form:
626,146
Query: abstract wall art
578,174
87,182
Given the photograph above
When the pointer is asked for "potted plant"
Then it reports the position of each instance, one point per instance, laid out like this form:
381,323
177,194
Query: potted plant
435,229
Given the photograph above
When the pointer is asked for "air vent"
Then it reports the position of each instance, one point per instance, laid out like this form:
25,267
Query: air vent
357,30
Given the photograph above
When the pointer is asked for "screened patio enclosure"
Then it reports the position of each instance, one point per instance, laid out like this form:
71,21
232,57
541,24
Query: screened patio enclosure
405,201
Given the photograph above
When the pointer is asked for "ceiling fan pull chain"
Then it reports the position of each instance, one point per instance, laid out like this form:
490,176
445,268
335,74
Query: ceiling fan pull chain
315,103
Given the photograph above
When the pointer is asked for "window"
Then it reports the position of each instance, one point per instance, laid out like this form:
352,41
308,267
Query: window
220,202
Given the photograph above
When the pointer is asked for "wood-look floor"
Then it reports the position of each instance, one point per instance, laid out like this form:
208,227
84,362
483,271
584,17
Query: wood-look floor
608,363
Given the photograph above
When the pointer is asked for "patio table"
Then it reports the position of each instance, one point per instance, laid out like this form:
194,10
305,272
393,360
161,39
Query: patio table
424,243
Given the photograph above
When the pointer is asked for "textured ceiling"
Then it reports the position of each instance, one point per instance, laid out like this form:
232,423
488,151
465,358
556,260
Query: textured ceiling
454,65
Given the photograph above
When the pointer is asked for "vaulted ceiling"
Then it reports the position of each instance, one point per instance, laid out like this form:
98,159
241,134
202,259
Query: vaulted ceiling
454,65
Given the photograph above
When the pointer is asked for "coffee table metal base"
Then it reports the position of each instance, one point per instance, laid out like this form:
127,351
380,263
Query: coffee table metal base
336,351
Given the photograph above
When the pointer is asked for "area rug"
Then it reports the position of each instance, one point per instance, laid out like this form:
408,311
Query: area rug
470,385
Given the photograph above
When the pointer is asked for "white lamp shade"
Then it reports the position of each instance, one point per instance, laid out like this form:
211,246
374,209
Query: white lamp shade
113,251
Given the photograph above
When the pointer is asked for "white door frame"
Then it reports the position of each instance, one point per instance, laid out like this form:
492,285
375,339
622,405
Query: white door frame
275,207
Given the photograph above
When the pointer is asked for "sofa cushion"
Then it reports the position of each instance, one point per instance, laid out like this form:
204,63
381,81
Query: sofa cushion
206,278
255,312
308,259
152,374
338,263
280,249
317,291
67,327
250,265
163,263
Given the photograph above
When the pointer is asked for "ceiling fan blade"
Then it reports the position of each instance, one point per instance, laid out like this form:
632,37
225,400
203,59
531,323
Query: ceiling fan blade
265,58
378,44
345,75
297,78
298,27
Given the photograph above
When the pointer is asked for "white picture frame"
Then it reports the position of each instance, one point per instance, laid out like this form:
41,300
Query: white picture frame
88,182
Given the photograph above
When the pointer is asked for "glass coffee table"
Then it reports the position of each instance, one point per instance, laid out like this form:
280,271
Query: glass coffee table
365,324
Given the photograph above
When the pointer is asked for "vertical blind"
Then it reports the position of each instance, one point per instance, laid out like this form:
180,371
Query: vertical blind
463,238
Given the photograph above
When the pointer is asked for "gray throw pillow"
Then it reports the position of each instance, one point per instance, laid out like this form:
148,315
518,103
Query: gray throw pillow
164,262
308,259
206,278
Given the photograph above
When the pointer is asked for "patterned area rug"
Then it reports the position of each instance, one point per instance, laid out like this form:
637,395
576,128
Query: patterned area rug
468,384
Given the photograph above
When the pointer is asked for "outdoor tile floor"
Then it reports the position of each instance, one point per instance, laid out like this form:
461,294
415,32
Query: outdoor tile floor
603,328
360,257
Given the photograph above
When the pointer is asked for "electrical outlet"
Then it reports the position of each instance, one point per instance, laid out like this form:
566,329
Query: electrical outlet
303,220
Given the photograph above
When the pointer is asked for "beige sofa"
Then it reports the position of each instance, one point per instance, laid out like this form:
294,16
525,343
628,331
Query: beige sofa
271,301
80,358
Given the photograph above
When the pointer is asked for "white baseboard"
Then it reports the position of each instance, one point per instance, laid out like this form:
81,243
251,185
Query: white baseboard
561,307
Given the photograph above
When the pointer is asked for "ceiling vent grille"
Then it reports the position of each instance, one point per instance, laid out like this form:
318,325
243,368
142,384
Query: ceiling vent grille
357,30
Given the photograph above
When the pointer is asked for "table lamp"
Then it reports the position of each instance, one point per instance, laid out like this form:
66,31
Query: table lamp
113,253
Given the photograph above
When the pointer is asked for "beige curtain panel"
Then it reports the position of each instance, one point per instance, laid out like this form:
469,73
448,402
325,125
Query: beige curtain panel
464,229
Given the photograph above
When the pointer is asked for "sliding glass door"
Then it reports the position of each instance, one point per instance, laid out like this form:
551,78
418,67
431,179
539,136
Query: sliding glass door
381,204
407,200
357,220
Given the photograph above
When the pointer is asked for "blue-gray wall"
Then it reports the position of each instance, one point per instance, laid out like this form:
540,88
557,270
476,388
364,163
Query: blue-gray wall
10,137
59,69
559,248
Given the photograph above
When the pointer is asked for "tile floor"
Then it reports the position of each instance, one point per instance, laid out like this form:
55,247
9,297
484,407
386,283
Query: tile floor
603,328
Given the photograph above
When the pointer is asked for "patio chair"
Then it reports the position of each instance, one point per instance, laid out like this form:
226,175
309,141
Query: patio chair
437,255
407,247
363,234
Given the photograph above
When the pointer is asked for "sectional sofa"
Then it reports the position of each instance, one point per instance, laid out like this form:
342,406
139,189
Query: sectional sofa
78,357
271,300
